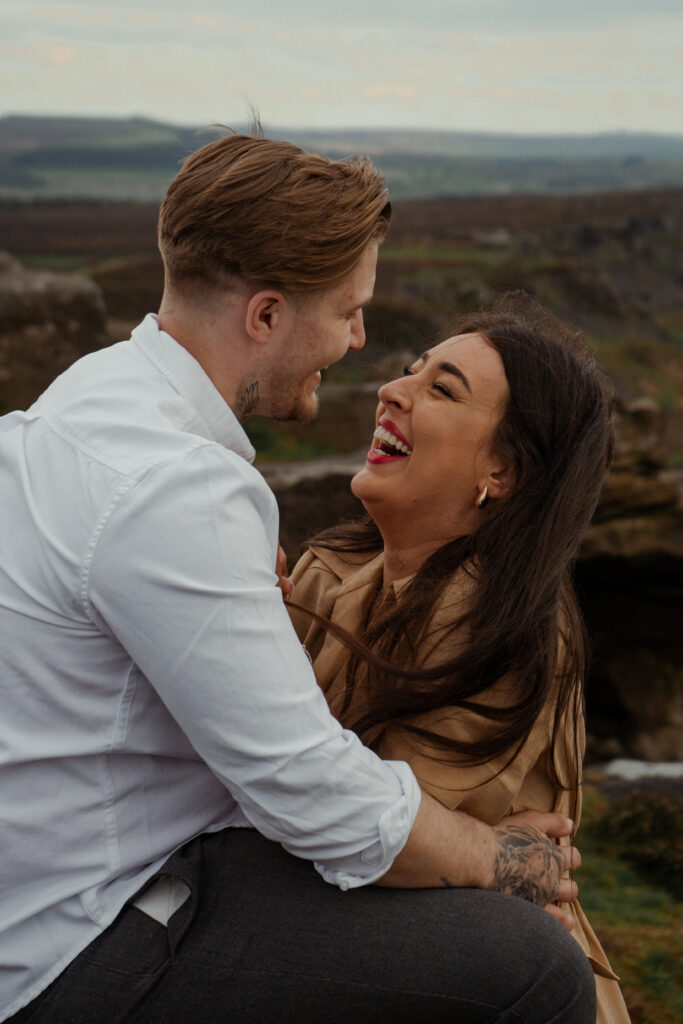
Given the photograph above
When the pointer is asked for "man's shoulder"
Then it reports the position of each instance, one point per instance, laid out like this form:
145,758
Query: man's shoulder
111,410
116,408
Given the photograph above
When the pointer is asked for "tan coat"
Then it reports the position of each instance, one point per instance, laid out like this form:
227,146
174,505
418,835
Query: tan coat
343,588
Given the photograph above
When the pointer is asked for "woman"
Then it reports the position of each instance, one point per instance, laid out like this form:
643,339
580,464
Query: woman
444,628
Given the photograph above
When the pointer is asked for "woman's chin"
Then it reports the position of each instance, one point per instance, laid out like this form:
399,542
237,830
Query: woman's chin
357,481
364,485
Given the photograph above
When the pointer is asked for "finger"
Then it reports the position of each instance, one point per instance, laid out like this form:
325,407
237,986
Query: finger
565,917
553,825
556,826
571,856
568,891
283,581
281,561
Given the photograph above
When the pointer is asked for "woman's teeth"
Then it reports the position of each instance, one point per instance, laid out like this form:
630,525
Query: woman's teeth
382,434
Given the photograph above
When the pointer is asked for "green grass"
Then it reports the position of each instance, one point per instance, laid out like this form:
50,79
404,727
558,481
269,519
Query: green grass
671,321
58,261
456,254
272,445
639,923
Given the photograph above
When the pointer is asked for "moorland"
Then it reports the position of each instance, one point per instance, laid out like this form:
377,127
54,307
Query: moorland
135,158
610,262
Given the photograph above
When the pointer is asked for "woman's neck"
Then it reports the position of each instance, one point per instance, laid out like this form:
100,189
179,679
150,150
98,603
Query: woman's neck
403,561
408,545
410,536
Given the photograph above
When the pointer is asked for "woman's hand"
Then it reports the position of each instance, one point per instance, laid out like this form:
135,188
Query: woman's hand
524,843
283,580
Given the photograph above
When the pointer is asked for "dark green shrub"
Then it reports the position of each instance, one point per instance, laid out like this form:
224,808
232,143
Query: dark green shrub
646,830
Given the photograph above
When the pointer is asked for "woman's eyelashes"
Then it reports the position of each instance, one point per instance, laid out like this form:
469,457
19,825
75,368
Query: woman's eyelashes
437,385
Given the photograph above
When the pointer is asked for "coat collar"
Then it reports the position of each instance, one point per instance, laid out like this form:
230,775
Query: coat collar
356,571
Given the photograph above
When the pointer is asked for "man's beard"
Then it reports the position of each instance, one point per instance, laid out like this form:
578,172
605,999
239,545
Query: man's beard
296,406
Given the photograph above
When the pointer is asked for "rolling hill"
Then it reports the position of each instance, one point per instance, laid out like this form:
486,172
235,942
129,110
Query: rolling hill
134,159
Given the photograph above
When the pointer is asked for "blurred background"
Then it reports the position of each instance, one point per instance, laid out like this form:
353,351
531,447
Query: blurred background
525,145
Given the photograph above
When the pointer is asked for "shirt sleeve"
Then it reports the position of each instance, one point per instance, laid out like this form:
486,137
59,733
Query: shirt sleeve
182,575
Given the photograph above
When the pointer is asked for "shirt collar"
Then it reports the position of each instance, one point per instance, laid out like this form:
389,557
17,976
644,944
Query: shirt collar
188,378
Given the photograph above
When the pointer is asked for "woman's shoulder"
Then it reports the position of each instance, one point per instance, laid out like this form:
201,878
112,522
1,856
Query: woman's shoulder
338,565
323,576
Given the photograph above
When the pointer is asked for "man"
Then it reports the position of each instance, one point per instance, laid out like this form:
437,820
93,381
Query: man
157,708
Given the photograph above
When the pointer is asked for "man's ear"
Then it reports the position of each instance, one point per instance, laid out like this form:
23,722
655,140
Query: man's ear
264,313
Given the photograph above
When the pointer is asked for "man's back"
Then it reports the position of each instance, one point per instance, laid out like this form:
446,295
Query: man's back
153,682
81,726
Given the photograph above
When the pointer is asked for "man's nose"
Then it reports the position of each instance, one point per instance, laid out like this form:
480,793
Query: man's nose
357,339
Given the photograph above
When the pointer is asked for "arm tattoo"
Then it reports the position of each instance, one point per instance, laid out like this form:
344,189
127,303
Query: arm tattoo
247,401
527,865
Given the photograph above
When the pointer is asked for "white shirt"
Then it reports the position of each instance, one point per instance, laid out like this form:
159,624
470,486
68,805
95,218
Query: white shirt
151,685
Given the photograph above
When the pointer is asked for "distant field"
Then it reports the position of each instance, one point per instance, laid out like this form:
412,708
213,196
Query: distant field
609,262
135,159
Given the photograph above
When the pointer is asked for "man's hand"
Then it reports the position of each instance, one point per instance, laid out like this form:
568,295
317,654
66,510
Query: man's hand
283,580
517,856
529,865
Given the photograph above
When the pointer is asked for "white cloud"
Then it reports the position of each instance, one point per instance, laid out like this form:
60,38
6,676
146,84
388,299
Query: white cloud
301,67
389,90
60,55
523,16
207,21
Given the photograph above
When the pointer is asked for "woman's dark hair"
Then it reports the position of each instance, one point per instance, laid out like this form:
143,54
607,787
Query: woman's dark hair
556,433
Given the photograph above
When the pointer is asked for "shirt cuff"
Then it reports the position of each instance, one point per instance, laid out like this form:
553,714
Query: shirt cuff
394,827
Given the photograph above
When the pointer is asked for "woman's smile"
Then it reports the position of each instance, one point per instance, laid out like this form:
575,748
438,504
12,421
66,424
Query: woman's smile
389,445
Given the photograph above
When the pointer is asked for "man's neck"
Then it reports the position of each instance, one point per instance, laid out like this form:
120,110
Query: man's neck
214,339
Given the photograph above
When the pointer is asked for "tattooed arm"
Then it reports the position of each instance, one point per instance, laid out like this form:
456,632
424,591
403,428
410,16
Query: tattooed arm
450,848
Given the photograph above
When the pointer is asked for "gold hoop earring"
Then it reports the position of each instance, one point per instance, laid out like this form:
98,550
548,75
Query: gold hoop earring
482,498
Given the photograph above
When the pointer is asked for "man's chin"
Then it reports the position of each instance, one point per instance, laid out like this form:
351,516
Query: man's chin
304,410
309,412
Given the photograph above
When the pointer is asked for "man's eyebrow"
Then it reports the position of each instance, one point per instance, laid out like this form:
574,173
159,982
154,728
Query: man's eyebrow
359,305
450,368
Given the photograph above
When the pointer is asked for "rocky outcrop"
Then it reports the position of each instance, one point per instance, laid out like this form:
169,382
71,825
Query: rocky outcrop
312,496
640,510
629,573
630,577
630,568
48,321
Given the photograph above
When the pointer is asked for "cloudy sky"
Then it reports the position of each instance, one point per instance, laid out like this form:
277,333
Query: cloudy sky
494,65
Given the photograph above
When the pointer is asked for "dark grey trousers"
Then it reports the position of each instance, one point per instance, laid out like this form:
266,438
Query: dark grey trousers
262,939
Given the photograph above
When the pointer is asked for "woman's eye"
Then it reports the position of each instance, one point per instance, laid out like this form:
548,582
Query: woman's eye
442,389
407,372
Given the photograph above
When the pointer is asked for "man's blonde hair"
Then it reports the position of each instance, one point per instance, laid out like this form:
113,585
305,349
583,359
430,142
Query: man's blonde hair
269,213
